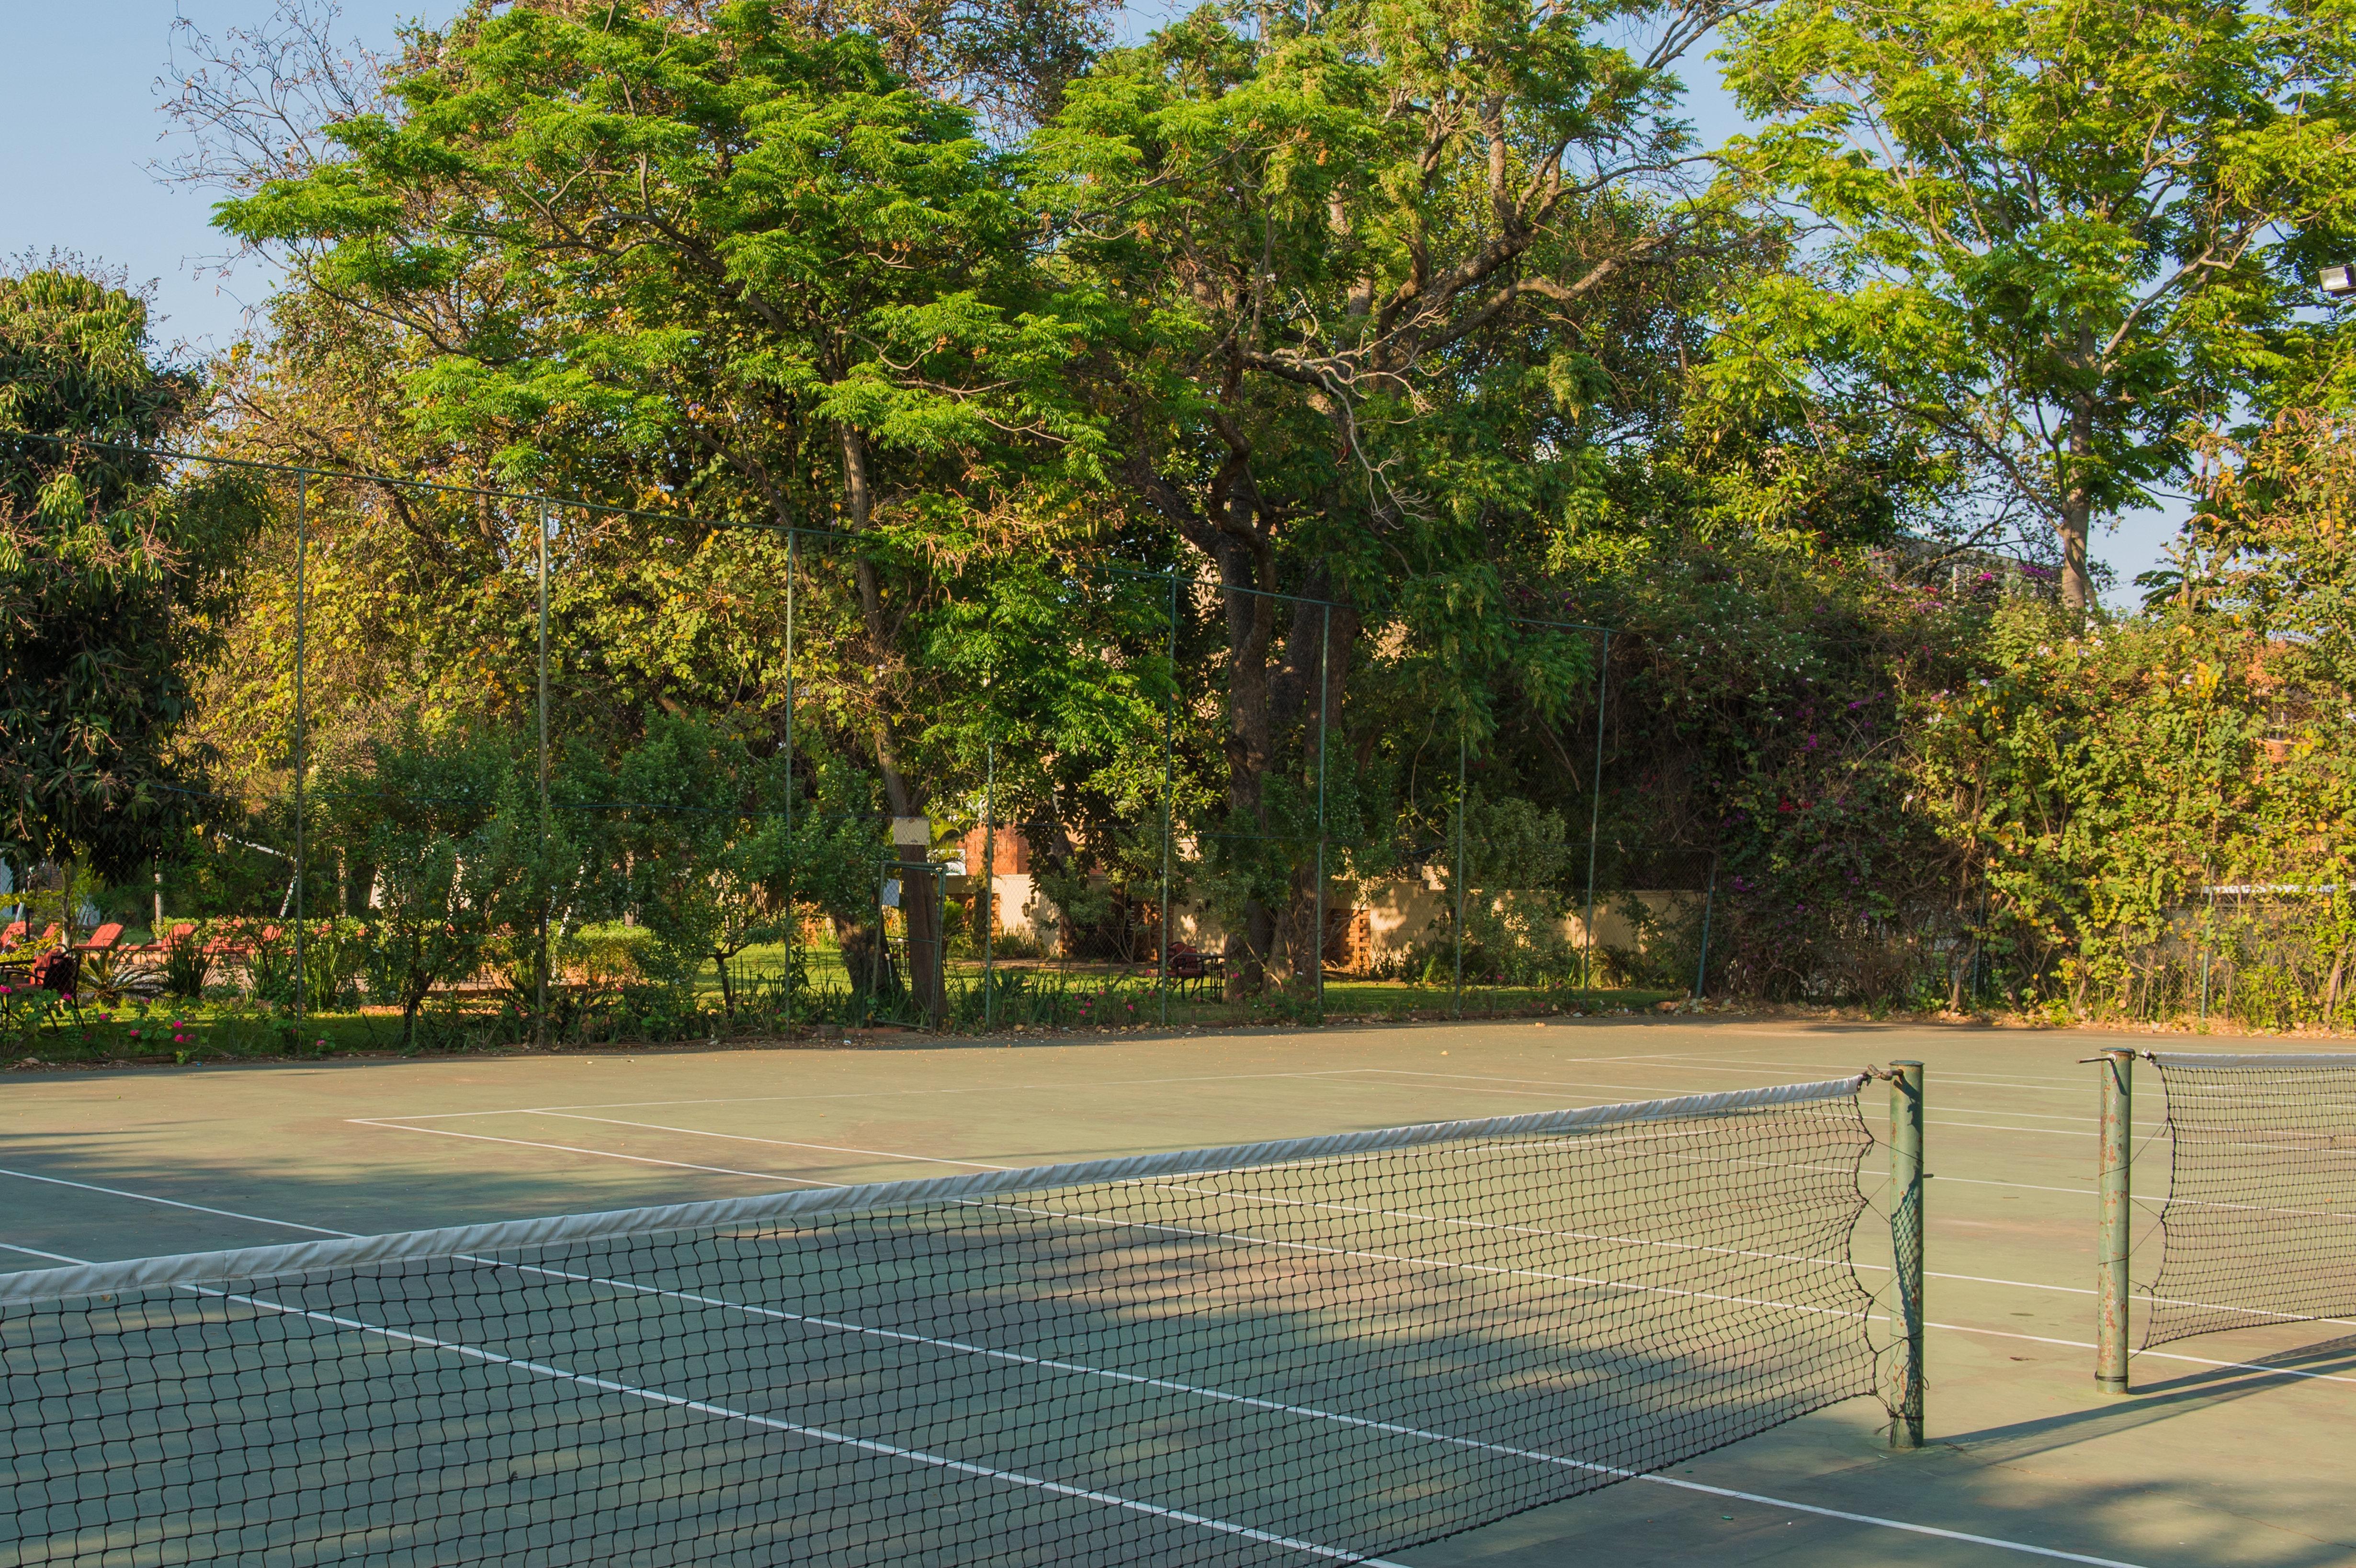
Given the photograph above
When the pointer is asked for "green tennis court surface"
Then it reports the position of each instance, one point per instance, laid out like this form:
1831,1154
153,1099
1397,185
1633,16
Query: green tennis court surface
2230,1452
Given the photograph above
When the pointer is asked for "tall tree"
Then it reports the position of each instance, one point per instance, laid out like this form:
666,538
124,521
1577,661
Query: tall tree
2052,234
656,259
112,575
1357,272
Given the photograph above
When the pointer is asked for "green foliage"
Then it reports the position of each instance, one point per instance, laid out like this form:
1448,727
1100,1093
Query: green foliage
2053,235
109,577
1400,324
716,861
2103,784
450,824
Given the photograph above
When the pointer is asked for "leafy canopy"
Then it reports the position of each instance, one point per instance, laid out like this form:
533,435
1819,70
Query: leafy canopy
110,578
2053,234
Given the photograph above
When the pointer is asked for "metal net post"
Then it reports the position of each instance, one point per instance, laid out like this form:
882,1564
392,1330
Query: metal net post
1906,1180
2115,1181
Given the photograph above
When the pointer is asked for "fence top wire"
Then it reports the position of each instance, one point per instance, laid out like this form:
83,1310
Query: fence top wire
538,499
508,1235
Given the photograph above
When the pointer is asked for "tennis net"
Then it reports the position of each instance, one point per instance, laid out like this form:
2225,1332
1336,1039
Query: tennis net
2259,1221
1319,1350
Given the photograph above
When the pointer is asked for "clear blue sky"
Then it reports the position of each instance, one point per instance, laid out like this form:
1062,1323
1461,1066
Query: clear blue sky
79,114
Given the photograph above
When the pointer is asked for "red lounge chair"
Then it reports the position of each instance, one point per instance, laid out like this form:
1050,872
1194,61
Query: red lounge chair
104,938
13,935
1186,967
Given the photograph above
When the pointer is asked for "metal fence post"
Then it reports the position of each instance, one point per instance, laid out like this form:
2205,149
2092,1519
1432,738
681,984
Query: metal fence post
1324,693
540,1025
302,561
2115,1181
1709,897
793,918
988,883
1169,773
1595,813
1459,999
2208,940
1906,1180
883,936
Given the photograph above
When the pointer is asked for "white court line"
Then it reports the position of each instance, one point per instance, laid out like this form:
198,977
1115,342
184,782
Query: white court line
2151,1203
770,1422
1130,1503
1655,1089
1661,1480
2033,1082
602,1153
925,1160
746,1139
1996,1542
2144,1355
2001,1128
1353,1074
2145,1299
1880,1268
1931,1121
171,1203
862,1094
1313,1412
892,1154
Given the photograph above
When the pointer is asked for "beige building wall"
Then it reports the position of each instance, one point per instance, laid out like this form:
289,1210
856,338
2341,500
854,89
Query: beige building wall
1400,911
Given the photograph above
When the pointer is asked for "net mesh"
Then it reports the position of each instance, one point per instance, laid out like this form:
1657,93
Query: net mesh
1315,1351
2261,1213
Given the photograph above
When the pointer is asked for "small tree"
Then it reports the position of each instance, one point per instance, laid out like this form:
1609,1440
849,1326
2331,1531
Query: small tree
450,823
717,862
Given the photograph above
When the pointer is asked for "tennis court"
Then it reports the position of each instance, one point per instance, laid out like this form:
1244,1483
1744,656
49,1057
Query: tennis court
2230,1452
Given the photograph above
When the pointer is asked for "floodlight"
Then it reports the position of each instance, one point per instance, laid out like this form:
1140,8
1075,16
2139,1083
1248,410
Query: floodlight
2340,281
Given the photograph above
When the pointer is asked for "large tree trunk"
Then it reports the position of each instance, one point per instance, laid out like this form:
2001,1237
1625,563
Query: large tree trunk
2077,513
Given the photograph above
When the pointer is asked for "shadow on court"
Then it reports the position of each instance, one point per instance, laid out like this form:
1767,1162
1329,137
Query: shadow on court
2205,1466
